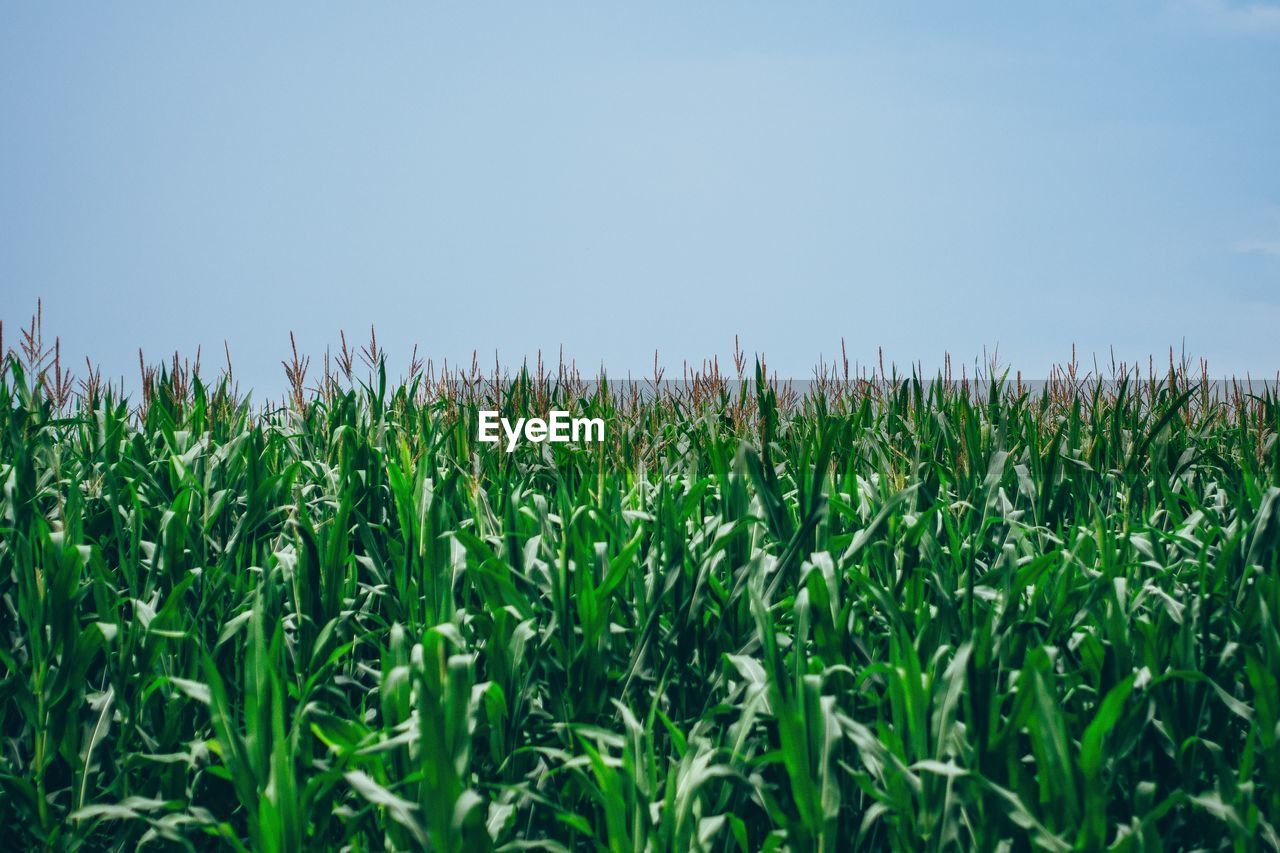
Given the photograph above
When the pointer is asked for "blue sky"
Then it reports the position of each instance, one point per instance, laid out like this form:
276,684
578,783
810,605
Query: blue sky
620,178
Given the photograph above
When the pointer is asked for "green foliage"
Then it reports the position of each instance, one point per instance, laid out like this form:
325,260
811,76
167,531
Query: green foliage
888,614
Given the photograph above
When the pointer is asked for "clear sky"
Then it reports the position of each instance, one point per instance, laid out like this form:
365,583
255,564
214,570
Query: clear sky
625,177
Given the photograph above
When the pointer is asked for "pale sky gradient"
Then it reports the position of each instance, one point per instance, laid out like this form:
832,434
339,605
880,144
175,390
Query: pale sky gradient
620,177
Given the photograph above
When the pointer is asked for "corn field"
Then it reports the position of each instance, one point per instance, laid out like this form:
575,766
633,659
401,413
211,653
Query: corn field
880,613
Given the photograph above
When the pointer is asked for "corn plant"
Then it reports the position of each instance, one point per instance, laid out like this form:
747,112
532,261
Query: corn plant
876,612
